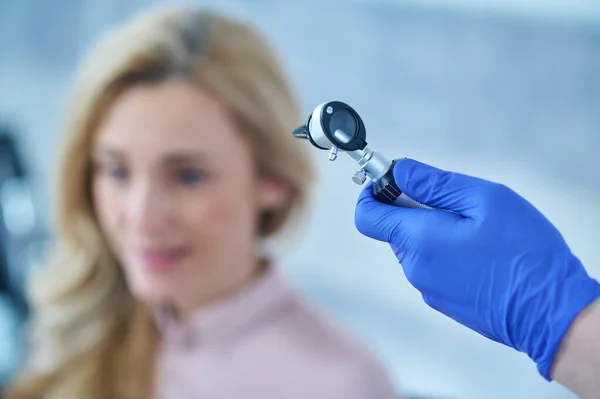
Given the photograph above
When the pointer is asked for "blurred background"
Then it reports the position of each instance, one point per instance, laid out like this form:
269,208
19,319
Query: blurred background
507,90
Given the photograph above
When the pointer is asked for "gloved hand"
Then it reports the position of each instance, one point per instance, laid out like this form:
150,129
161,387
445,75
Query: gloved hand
497,265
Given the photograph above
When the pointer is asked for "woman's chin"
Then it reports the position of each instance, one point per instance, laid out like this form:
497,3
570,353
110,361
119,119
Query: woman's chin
157,293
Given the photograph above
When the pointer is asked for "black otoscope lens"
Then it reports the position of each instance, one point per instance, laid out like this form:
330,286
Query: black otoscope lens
344,120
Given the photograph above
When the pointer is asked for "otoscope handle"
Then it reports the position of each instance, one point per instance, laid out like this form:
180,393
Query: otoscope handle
386,191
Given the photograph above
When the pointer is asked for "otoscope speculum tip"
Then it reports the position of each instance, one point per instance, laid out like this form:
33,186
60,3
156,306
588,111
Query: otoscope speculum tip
301,132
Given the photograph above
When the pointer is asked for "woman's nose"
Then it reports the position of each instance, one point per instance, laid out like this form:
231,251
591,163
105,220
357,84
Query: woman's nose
149,207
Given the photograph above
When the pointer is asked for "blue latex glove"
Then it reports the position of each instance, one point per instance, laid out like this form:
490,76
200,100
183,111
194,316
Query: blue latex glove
497,266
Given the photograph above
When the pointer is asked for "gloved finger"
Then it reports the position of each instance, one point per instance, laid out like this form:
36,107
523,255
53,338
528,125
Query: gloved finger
439,188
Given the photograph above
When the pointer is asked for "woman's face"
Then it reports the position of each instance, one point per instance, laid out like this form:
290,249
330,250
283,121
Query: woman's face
177,196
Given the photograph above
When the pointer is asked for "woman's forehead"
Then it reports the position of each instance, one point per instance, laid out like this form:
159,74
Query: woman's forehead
173,117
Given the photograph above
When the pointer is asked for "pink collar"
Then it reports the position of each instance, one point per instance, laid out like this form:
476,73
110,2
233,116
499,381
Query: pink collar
257,301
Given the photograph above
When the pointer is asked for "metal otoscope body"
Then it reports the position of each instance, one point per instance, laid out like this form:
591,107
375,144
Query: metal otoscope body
334,126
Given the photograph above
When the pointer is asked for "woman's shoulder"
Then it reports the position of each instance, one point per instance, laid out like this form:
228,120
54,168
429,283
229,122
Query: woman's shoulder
318,331
283,310
304,337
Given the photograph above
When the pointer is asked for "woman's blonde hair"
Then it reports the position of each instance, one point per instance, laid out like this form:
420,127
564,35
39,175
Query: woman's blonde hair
95,340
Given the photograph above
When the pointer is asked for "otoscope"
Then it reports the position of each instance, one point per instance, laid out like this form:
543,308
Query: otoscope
335,126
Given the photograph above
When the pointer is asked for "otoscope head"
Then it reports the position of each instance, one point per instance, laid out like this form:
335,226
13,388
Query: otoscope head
334,124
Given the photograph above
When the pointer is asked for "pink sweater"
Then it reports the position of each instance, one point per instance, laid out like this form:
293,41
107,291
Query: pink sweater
266,342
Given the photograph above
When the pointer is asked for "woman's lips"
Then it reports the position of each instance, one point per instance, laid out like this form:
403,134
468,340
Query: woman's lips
160,260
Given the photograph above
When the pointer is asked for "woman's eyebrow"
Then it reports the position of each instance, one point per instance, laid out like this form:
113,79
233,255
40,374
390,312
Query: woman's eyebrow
176,157
107,151
184,156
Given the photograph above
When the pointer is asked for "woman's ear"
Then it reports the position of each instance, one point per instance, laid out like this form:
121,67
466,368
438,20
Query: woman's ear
273,194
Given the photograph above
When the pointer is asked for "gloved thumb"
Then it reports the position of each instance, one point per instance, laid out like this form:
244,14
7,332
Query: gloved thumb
438,188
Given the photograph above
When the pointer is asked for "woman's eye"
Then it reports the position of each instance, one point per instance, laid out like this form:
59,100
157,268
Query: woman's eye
190,176
114,172
117,172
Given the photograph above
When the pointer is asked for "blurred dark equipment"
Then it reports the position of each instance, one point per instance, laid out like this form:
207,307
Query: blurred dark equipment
21,240
12,179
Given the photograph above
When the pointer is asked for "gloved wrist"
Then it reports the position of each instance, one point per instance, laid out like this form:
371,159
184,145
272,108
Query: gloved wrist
571,297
